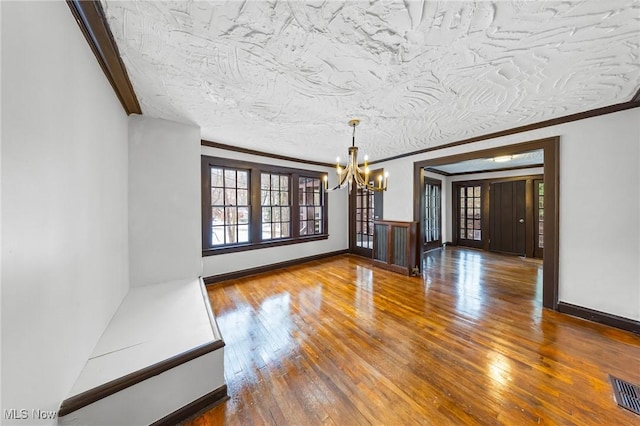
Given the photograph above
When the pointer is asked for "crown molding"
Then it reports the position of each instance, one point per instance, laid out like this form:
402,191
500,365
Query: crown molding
218,145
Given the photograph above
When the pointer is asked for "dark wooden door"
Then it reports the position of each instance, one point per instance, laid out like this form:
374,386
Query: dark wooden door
507,217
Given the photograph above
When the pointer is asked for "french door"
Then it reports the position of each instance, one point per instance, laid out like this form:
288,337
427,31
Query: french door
432,214
365,206
468,200
538,211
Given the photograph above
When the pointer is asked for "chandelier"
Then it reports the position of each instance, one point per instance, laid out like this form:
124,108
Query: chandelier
352,172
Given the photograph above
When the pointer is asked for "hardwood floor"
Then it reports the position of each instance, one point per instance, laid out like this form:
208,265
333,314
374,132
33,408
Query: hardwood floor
337,342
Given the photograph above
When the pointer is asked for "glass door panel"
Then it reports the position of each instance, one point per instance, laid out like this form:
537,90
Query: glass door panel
538,231
432,227
469,198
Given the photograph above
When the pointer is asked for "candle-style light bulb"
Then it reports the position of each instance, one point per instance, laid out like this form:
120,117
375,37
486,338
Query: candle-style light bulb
326,182
380,181
386,178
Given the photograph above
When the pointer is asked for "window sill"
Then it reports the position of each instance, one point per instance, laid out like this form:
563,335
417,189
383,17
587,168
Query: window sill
262,245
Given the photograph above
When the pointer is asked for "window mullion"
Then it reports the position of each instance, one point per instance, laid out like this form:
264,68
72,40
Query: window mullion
255,220
206,204
295,205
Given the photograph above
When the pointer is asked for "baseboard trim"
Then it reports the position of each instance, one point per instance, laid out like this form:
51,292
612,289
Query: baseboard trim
207,401
266,268
600,317
90,396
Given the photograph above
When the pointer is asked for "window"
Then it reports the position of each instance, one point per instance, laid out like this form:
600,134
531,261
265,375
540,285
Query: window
276,212
310,201
229,206
248,205
470,205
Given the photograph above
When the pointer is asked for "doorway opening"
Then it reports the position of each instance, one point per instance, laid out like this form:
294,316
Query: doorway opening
546,235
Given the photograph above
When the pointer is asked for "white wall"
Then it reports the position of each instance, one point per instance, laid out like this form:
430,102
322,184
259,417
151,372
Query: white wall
599,243
338,225
164,201
64,204
600,214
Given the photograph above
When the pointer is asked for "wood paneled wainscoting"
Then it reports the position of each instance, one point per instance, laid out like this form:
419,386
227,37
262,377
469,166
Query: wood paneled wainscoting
336,341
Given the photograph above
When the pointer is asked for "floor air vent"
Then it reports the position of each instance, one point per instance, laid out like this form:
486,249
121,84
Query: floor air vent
627,395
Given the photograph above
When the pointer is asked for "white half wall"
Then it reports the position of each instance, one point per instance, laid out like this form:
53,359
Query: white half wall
599,206
64,205
338,225
164,201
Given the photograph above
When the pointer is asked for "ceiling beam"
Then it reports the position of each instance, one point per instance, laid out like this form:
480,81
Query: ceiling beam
93,24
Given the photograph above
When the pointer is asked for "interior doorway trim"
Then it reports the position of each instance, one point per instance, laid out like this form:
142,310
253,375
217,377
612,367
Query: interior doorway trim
551,147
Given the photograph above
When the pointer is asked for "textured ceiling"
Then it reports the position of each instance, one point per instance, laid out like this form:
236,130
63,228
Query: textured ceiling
285,77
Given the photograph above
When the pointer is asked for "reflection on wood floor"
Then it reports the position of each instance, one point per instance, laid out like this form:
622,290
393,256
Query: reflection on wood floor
338,342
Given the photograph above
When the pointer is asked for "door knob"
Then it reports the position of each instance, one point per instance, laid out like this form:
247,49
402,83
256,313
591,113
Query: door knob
521,221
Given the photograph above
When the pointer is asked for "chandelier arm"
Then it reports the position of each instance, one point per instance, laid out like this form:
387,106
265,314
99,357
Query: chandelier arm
359,179
345,180
376,189
343,176
373,187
